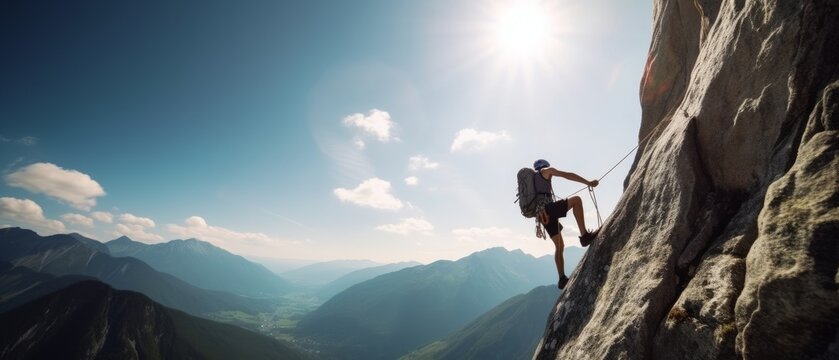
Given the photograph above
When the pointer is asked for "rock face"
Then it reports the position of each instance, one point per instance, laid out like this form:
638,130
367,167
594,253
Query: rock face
725,244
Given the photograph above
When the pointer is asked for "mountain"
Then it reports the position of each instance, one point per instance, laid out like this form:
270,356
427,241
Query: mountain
92,320
394,313
358,276
279,266
65,255
94,244
319,274
508,331
19,285
724,242
203,265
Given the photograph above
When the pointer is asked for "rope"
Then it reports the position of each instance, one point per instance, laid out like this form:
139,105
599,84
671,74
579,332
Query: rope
540,232
594,200
591,189
621,160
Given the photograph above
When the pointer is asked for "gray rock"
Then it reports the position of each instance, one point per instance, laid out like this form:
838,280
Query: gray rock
725,243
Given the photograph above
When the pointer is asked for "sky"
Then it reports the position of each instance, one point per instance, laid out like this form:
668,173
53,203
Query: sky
370,129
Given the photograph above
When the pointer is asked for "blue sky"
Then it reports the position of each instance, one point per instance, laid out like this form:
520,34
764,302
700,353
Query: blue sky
243,123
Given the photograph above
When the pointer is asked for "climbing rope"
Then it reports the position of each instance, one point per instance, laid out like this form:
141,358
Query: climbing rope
540,233
591,189
621,160
594,201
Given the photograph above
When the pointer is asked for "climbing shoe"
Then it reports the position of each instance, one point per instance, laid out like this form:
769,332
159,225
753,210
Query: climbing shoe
563,280
588,237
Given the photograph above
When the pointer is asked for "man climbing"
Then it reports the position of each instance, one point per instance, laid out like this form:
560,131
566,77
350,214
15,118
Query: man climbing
549,216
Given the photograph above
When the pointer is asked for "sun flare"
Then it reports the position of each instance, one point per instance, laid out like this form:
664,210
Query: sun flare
522,30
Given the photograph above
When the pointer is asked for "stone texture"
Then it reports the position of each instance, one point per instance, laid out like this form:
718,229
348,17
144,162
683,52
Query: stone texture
789,307
725,244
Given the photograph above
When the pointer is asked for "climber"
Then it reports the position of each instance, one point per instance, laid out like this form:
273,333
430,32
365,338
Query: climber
551,213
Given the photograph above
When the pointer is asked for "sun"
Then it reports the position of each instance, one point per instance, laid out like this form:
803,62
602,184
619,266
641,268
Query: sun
522,30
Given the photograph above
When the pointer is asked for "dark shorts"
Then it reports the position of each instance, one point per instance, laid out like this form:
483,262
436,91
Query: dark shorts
555,210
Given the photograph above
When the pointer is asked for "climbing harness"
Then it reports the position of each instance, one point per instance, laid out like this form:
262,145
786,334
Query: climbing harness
539,232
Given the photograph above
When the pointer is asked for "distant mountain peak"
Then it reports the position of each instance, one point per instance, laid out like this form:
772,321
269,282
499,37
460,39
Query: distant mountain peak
496,251
195,245
15,230
122,239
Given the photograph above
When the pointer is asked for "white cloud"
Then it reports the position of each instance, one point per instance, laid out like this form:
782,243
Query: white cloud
376,122
359,144
75,188
408,226
78,219
471,139
474,233
102,216
197,227
411,181
420,162
28,213
136,220
28,140
373,193
136,232
135,227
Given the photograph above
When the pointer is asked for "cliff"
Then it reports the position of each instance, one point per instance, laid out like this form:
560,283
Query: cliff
725,243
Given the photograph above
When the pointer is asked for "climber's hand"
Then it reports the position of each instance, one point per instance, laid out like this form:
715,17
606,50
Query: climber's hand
593,183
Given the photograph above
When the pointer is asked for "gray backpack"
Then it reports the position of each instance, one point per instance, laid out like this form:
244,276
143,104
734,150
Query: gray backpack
530,201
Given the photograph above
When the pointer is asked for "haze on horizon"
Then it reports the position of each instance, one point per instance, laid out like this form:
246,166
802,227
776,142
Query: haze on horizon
379,130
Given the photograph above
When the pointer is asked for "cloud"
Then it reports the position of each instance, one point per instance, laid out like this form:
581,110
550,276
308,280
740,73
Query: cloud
135,227
78,219
102,216
28,213
473,233
471,139
70,186
376,122
373,193
136,220
420,162
12,164
136,232
411,181
26,140
197,227
408,226
359,144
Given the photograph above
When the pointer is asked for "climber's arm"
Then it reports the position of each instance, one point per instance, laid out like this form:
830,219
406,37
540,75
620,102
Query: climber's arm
571,176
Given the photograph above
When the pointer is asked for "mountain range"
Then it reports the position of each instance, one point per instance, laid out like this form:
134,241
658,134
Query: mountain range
394,313
508,331
447,309
89,319
322,273
204,265
66,255
344,282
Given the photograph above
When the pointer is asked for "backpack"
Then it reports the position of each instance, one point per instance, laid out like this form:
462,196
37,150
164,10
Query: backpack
530,202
